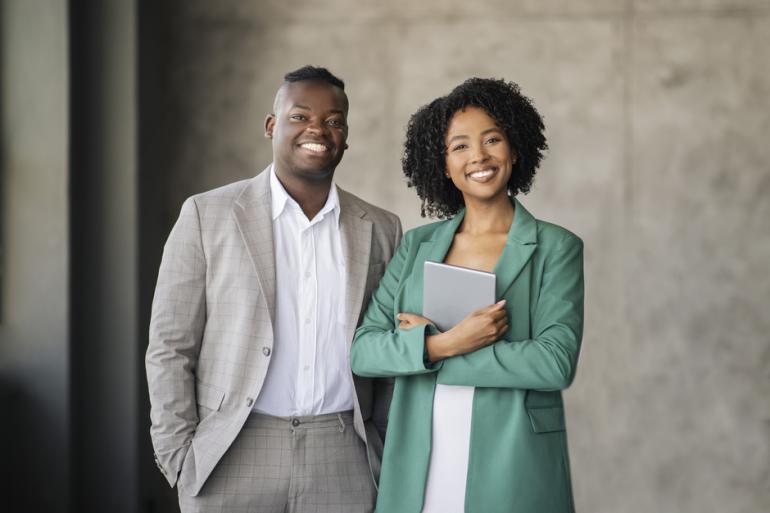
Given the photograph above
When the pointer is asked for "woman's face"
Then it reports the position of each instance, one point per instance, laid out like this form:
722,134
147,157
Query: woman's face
479,159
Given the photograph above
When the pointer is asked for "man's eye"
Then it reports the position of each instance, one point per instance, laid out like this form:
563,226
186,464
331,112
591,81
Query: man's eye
336,123
298,117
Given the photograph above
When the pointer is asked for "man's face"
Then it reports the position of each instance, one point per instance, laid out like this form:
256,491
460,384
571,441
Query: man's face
309,129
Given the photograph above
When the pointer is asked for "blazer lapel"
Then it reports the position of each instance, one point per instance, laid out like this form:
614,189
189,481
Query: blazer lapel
253,217
434,250
518,250
513,273
356,236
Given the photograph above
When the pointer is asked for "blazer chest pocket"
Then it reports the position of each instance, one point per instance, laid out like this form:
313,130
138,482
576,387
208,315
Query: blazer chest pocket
546,419
209,399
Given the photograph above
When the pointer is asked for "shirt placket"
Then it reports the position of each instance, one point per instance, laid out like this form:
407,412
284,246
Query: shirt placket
307,299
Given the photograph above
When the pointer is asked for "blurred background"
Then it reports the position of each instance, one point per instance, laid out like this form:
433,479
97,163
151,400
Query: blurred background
658,119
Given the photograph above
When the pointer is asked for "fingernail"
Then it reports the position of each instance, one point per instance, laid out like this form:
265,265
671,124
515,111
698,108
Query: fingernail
501,302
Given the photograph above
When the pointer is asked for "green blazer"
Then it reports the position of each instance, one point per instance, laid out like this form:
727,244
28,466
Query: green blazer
518,460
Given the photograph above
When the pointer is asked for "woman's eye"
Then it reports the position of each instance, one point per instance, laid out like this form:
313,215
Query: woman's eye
493,140
459,147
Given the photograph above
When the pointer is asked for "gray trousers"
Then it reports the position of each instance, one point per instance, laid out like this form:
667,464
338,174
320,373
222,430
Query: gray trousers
312,464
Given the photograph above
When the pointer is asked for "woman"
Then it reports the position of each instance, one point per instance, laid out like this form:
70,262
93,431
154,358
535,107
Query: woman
477,421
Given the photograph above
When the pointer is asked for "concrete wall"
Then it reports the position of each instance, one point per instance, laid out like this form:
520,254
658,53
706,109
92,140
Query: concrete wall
657,114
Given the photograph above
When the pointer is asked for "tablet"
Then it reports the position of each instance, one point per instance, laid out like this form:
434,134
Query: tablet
451,292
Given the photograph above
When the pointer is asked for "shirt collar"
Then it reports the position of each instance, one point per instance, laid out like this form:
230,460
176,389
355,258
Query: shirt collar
280,198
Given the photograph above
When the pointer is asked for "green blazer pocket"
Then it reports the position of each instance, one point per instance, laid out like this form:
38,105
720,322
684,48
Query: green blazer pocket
547,419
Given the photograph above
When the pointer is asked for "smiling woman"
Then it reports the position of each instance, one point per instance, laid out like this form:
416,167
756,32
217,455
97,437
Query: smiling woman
477,422
427,154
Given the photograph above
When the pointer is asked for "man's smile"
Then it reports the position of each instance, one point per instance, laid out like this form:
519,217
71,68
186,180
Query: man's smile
314,147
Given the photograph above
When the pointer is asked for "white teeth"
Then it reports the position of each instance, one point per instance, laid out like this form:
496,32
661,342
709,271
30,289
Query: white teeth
314,147
481,174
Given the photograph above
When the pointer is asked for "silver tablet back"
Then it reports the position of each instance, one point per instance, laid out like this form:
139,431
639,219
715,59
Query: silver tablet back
451,292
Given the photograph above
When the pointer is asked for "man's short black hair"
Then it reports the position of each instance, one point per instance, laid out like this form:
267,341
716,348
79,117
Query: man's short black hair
306,73
424,158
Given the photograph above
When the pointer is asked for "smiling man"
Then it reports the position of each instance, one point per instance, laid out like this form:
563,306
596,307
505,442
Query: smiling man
261,285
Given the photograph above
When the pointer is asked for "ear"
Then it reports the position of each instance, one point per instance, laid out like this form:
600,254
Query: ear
269,125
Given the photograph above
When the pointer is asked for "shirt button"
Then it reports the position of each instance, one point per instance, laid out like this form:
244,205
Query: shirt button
249,402
295,422
266,351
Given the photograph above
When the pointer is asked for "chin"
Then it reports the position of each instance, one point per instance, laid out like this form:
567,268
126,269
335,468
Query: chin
315,173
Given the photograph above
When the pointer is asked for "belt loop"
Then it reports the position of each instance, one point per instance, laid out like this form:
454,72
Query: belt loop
342,423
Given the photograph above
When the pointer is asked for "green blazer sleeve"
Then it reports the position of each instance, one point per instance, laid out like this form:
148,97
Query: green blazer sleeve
379,348
548,360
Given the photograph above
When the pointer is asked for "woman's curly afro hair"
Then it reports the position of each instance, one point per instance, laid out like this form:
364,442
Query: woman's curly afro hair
424,159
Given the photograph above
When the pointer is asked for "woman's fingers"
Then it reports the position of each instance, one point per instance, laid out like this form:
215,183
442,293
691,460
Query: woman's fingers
409,320
496,307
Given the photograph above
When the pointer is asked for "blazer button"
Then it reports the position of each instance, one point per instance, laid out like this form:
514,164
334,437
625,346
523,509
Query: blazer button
249,401
266,351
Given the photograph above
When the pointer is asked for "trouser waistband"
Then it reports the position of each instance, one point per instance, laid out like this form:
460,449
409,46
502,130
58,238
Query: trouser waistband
340,420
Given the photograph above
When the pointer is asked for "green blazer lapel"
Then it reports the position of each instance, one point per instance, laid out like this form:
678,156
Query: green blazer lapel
435,250
513,273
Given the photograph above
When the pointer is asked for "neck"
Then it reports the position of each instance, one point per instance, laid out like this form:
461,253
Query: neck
486,217
310,195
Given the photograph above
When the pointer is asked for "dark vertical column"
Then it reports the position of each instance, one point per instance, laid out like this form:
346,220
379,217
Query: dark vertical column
155,216
104,292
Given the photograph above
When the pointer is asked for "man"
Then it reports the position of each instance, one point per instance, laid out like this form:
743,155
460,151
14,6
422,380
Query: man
261,285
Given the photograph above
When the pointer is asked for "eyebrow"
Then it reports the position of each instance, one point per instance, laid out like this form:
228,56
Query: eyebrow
485,132
305,107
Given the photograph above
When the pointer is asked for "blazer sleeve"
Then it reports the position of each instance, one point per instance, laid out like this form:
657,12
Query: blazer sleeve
176,329
383,387
379,348
548,360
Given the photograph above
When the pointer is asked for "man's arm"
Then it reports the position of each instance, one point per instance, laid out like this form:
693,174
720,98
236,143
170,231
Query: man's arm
383,387
176,330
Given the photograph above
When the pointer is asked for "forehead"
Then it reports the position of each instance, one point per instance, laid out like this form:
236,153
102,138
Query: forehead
470,120
314,94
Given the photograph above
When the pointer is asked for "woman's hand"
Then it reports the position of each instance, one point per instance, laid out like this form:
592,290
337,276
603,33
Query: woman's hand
479,329
409,320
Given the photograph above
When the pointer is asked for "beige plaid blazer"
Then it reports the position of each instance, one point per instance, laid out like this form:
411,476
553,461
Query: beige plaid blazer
211,332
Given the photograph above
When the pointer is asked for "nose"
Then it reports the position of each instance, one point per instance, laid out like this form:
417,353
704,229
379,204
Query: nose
315,126
479,154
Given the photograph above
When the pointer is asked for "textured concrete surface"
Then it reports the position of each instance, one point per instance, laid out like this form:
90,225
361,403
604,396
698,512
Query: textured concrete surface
657,114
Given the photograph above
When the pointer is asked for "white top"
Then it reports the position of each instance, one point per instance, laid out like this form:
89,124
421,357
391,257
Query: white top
450,445
309,371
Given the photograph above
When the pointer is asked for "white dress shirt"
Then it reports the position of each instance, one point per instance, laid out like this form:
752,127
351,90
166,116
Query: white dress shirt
309,371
